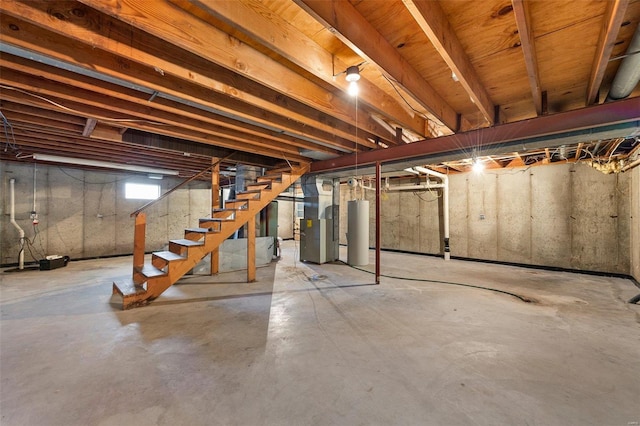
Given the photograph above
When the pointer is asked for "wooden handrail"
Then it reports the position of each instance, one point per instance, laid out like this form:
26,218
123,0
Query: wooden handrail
180,185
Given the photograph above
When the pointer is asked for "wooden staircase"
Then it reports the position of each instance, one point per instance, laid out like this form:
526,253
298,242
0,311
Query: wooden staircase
151,280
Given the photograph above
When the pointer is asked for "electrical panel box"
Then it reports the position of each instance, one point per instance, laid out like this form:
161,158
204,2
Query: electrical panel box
316,240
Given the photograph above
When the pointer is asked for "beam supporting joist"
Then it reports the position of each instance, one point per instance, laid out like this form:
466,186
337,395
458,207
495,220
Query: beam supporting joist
33,141
222,125
624,114
88,103
166,22
527,44
254,19
136,119
127,54
434,23
611,22
89,127
343,20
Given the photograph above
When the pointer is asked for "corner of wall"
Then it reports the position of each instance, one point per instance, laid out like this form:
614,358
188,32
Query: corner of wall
635,224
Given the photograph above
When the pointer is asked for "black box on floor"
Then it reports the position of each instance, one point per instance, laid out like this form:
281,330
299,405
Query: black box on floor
48,264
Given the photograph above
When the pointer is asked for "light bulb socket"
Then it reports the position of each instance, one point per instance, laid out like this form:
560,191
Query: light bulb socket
353,73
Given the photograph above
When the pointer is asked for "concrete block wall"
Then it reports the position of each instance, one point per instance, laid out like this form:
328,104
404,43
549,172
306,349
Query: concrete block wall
562,215
85,214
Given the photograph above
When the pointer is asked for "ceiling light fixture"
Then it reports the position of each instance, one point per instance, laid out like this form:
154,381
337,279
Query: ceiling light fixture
353,75
103,164
478,166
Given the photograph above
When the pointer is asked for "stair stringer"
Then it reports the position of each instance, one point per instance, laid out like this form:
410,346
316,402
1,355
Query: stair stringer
175,270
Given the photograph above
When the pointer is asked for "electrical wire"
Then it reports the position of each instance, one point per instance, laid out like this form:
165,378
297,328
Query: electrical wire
92,183
97,117
508,293
8,134
436,196
421,114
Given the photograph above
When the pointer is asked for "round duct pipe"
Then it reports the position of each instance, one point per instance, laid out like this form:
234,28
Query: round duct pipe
628,73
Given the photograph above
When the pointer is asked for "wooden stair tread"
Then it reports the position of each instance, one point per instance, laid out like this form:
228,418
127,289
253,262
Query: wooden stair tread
128,288
216,229
200,230
269,178
168,256
215,219
187,243
266,186
151,271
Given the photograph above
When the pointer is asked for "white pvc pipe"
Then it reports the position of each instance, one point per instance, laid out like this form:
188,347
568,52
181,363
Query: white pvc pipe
445,206
14,223
407,187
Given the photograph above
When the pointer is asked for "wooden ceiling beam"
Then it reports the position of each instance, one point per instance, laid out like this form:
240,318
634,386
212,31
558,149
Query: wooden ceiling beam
44,114
611,22
133,115
20,118
434,23
167,22
527,44
32,28
62,144
227,126
254,19
343,20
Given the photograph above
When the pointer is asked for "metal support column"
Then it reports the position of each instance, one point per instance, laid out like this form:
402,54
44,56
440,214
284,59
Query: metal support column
378,184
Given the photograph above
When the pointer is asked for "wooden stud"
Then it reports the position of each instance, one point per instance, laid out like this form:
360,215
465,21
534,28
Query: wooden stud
215,203
251,249
139,233
399,135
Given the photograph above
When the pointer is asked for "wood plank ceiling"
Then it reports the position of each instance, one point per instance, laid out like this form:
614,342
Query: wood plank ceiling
171,83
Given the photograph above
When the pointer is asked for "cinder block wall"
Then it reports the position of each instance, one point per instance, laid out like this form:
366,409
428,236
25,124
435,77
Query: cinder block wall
85,214
563,215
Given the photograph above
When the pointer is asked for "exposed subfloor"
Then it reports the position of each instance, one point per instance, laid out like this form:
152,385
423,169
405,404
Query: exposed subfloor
320,345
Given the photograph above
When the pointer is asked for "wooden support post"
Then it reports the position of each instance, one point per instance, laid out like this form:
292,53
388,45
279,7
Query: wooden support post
399,135
251,250
215,203
138,240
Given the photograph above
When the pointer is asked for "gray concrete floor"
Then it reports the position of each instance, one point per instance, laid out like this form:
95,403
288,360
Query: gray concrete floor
320,345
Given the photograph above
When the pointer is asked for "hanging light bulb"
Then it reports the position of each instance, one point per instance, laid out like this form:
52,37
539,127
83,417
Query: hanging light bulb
353,75
353,89
478,166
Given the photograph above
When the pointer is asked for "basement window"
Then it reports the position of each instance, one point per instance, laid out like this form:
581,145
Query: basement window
139,191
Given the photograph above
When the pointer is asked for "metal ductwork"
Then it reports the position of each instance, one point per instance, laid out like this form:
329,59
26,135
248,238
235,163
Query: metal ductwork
628,73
